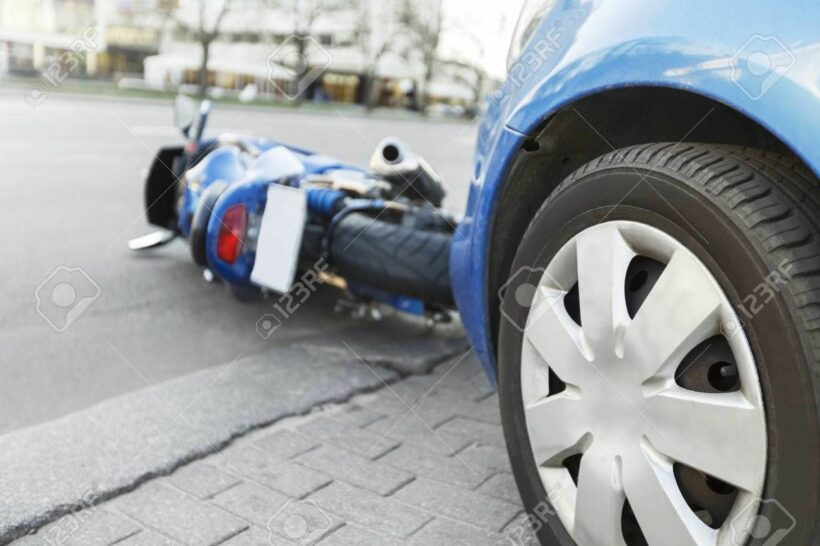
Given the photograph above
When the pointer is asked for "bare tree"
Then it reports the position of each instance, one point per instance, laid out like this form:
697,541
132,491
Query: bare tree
472,75
471,72
469,69
372,45
210,15
304,14
424,30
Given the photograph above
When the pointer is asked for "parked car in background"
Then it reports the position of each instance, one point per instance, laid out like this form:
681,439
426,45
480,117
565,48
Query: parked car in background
446,110
639,269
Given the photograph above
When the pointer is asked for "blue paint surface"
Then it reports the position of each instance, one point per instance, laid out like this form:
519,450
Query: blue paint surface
584,47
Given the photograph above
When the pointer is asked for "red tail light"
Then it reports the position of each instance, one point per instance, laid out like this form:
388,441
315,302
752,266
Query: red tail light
232,233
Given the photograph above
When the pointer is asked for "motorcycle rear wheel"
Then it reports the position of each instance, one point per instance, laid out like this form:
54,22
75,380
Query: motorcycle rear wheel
395,258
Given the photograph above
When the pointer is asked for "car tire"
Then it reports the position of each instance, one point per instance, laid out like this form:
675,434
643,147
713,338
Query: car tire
738,229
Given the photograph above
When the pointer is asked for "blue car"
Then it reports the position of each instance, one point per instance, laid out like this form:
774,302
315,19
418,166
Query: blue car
639,269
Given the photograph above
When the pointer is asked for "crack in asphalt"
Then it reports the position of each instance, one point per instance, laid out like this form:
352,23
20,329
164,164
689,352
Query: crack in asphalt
396,372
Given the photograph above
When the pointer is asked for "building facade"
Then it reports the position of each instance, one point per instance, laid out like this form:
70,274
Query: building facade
262,49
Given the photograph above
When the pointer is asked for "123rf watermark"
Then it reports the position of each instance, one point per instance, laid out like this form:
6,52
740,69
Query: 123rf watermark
289,303
301,521
529,63
524,529
754,302
65,295
764,520
62,66
63,531
760,64
297,64
527,305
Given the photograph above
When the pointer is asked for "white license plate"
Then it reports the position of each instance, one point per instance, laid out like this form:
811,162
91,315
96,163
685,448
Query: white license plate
280,238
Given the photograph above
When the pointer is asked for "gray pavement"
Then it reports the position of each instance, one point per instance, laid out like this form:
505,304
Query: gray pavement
72,196
158,414
117,444
417,461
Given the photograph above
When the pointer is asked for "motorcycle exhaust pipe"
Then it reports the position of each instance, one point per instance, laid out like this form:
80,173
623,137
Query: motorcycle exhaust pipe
413,177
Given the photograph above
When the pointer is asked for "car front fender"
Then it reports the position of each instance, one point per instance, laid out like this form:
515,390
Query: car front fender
587,47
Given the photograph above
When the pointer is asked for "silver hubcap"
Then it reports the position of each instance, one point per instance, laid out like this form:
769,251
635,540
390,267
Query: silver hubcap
622,409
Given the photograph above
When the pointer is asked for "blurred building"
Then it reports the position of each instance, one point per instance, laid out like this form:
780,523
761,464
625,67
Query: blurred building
110,39
33,30
137,44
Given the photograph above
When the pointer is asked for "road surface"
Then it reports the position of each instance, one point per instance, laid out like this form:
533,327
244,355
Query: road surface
72,196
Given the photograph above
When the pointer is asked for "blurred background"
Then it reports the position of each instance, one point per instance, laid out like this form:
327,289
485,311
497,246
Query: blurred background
86,89
430,56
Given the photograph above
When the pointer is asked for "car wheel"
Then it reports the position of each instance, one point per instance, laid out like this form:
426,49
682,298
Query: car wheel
659,351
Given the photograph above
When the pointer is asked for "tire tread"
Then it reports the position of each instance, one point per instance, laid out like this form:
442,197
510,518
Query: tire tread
774,198
393,257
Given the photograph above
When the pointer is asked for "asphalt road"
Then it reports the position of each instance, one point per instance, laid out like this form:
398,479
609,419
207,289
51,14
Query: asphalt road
72,174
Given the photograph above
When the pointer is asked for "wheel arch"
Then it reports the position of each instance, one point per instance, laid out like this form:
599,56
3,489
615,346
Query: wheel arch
588,128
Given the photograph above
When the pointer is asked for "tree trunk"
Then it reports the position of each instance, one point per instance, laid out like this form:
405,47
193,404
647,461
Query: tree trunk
477,91
369,90
425,86
421,97
203,69
295,92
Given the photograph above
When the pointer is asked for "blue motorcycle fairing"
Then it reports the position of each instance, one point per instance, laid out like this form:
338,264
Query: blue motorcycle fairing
406,304
604,44
320,164
275,165
224,164
252,193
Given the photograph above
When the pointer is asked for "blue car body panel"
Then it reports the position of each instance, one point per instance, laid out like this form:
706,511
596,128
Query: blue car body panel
584,47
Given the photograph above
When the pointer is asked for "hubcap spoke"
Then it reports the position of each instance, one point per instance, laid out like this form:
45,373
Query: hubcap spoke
621,407
603,259
680,311
661,511
722,434
556,426
600,500
557,338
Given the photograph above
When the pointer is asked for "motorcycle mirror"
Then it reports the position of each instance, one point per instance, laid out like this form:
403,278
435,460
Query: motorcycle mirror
197,130
205,108
184,113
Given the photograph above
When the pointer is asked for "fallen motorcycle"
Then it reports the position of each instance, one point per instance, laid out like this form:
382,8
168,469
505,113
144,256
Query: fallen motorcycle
256,213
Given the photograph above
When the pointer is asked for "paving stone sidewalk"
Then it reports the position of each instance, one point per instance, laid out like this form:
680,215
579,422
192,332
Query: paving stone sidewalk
419,461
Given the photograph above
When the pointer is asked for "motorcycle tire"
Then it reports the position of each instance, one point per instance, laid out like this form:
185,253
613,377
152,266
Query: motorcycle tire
199,223
394,258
